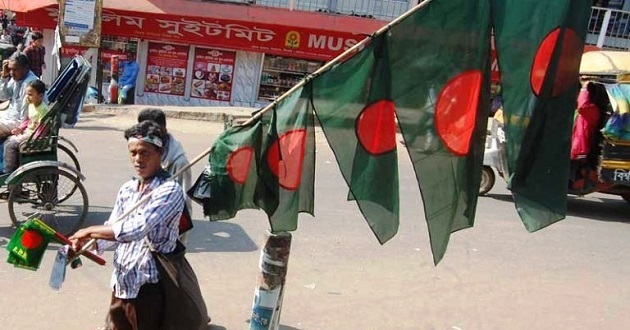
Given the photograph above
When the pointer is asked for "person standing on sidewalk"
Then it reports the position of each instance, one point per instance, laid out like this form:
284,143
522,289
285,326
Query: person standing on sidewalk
174,157
137,296
15,77
127,82
36,53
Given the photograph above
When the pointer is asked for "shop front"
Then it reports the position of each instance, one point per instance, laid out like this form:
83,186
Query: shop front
189,60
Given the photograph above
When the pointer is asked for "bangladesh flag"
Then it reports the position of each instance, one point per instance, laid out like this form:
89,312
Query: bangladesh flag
28,244
539,47
442,96
229,184
430,73
355,109
287,166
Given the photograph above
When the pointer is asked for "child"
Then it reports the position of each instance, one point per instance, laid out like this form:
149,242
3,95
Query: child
36,110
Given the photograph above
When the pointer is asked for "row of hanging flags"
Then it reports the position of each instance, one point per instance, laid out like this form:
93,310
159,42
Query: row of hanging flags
429,73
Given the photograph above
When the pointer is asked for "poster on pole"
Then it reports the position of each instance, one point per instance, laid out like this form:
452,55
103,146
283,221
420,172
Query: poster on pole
80,22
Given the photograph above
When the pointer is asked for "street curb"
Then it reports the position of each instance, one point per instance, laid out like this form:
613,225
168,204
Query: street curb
212,114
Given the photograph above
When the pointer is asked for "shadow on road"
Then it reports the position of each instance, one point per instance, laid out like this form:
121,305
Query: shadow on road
94,128
205,236
612,209
209,236
500,197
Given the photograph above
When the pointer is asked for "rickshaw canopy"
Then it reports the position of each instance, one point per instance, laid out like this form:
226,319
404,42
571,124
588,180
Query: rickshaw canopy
614,65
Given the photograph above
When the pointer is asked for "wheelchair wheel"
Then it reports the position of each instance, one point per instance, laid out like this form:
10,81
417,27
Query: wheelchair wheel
38,191
64,155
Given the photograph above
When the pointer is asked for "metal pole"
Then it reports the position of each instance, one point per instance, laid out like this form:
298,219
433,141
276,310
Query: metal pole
267,305
604,29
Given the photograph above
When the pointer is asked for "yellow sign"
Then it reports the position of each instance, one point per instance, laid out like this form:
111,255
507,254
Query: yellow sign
292,40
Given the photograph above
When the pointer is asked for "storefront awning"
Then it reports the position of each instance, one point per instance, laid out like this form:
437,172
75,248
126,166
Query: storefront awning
24,6
233,26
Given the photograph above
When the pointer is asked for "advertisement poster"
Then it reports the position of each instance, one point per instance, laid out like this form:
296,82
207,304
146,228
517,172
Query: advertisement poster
166,69
213,74
81,22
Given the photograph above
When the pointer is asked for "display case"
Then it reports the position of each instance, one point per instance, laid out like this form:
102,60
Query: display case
279,74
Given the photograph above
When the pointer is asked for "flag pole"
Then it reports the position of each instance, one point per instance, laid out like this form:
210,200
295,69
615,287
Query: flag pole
334,61
259,113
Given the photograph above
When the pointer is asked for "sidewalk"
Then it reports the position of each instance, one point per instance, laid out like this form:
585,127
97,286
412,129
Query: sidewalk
214,114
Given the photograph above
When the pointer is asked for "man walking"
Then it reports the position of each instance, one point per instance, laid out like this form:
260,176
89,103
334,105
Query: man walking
35,53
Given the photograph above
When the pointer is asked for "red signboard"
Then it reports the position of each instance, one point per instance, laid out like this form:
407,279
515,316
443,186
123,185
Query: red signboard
71,51
166,69
213,74
243,35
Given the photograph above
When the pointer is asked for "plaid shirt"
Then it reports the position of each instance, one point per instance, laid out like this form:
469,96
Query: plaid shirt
158,219
35,58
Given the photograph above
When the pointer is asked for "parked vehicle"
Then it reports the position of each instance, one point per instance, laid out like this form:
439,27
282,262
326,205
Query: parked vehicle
606,168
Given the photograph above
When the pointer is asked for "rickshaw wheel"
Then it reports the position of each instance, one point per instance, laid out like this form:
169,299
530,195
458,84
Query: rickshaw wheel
74,162
38,191
626,197
487,180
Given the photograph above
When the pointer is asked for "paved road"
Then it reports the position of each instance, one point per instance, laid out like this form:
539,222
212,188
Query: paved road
572,275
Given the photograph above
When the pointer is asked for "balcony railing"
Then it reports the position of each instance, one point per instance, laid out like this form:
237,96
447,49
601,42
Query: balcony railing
609,28
378,9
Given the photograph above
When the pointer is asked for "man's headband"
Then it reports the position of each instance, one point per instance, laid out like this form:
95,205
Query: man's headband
154,140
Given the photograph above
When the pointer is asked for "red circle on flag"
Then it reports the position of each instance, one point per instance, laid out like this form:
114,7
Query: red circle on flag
568,62
376,127
31,239
456,111
238,164
285,158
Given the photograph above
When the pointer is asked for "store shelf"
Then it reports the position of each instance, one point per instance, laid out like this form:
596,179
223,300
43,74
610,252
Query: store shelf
297,73
278,85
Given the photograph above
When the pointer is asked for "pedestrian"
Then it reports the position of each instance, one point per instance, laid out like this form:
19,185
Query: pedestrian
36,53
127,82
5,37
174,157
37,109
15,77
137,296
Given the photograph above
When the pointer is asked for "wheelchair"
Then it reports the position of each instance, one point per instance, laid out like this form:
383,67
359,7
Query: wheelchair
48,181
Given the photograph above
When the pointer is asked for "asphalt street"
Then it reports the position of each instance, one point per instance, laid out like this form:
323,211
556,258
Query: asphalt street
496,275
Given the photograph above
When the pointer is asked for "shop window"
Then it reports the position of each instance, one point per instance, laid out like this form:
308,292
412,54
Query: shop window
115,46
279,74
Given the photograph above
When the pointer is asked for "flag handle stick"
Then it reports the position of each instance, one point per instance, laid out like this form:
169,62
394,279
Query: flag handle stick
334,61
144,199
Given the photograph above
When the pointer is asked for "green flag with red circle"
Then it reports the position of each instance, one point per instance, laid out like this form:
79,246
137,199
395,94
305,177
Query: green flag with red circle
539,46
28,244
353,104
230,183
287,165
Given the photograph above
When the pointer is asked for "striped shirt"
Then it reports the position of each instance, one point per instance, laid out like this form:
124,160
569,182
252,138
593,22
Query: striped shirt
158,218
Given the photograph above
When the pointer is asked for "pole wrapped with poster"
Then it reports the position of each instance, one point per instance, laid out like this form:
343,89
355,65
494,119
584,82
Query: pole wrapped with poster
274,258
80,22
